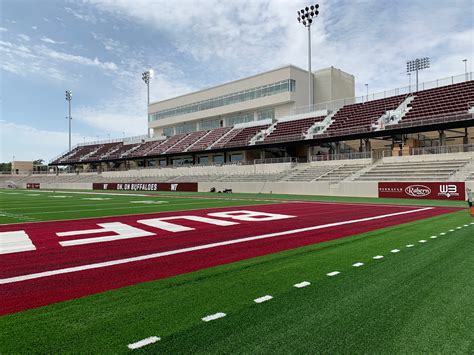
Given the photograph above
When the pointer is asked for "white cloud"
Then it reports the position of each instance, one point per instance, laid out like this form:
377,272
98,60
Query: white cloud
81,16
126,111
34,27
3,29
61,56
51,41
366,38
29,143
24,37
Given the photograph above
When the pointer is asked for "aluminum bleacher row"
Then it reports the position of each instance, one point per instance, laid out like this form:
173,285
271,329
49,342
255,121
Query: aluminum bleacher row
450,99
432,168
360,117
292,130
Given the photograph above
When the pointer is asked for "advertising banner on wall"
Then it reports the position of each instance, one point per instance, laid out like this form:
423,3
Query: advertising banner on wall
148,186
32,185
423,190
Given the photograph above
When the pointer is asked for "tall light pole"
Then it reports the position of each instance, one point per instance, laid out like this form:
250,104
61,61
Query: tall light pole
418,64
409,82
69,98
367,91
305,17
465,68
146,76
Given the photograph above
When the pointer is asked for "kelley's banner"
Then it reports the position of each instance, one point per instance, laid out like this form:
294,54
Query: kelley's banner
32,185
148,186
423,190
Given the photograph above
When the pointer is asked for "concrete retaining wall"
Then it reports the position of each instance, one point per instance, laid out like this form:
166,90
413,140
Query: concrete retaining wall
359,189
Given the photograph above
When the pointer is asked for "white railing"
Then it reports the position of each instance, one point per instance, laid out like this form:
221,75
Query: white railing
444,149
337,104
275,160
341,156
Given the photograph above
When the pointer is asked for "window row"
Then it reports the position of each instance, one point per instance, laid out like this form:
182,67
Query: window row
255,93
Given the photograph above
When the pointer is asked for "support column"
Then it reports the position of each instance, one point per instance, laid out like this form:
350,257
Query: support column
309,153
442,138
368,145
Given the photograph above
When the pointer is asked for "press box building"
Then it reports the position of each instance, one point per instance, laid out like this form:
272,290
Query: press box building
266,96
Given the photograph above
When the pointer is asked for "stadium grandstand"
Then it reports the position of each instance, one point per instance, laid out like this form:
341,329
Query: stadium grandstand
260,125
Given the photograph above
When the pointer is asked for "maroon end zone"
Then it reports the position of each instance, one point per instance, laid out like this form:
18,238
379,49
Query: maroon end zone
69,259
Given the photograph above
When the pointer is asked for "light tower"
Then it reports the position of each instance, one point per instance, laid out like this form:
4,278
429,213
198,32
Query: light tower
305,17
418,64
146,78
69,98
465,69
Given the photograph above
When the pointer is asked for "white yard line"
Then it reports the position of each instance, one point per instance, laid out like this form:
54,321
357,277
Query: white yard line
194,248
302,284
358,264
263,299
213,317
333,273
143,342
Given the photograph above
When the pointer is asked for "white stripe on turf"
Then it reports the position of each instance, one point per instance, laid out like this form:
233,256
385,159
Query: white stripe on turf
409,245
433,237
199,247
334,273
302,284
263,299
422,241
143,342
213,317
377,257
394,251
359,264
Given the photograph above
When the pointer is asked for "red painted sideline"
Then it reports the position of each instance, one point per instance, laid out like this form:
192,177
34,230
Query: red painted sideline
50,255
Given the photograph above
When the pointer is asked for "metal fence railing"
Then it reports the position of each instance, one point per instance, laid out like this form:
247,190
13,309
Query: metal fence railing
445,149
342,156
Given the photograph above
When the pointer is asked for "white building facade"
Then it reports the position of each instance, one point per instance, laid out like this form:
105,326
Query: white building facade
270,95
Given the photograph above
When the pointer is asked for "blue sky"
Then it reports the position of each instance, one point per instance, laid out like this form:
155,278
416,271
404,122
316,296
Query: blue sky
98,49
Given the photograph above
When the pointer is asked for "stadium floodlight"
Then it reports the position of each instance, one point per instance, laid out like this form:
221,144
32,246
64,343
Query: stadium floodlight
418,64
367,90
69,98
305,17
146,78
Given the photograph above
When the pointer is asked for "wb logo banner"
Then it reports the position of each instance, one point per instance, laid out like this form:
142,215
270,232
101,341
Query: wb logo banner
174,187
448,190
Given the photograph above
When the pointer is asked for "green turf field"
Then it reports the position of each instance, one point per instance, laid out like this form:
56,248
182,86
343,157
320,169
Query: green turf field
418,300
